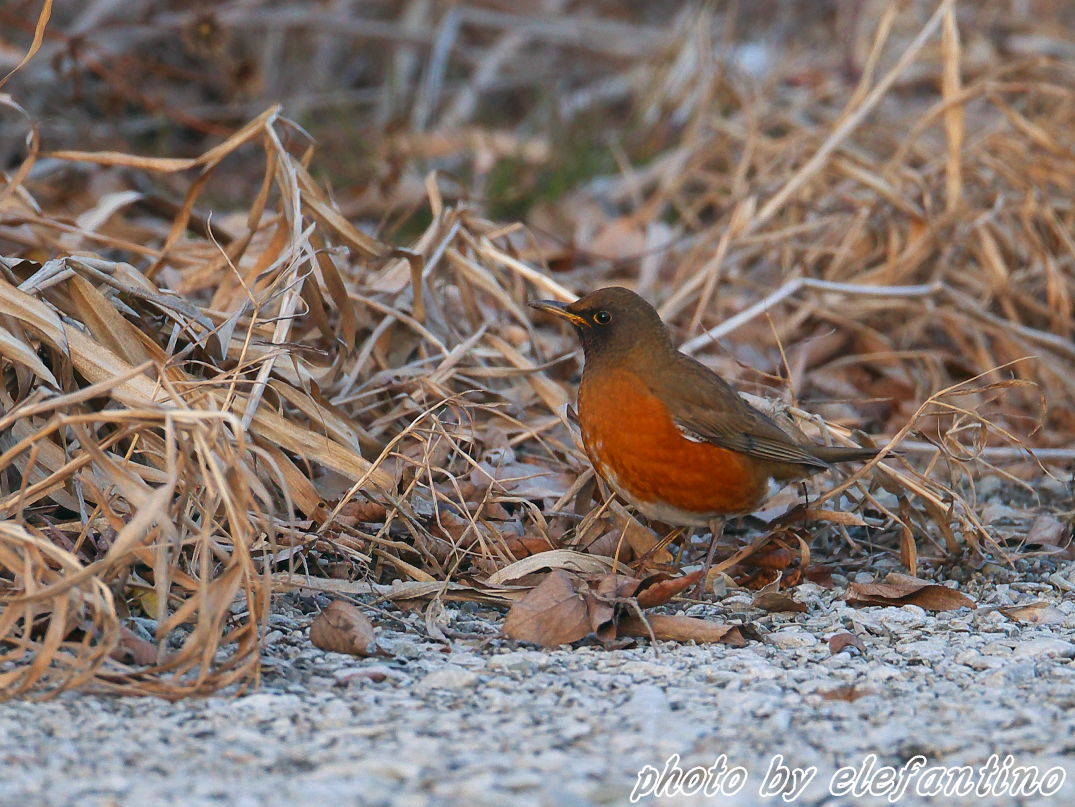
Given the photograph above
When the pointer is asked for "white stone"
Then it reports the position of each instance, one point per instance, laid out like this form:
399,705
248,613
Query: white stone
1045,648
792,637
525,661
268,705
978,661
450,677
647,700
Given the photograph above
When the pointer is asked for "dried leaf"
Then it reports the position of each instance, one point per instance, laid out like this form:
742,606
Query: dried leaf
359,511
147,599
846,692
659,588
801,513
643,540
554,559
777,601
1035,613
553,613
15,350
908,550
835,517
614,586
841,641
525,547
522,479
900,589
609,544
820,575
343,628
678,628
777,558
133,649
1048,530
609,591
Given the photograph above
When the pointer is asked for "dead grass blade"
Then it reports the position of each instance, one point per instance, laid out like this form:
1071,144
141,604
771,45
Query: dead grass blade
221,378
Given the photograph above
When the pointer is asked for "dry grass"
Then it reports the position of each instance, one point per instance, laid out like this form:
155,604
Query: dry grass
198,403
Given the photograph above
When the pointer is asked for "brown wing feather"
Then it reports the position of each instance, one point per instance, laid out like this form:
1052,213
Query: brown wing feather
706,407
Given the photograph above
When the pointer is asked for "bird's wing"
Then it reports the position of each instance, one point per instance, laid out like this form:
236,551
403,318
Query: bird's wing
706,408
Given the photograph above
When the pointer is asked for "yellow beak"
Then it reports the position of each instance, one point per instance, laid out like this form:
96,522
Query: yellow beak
559,310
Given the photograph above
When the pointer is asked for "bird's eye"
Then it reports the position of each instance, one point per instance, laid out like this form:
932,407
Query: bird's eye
602,318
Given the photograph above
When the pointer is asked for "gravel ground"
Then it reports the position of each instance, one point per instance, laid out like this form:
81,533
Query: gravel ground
486,721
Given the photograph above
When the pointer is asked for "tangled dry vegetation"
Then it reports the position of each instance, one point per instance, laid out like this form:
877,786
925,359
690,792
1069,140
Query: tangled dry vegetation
202,405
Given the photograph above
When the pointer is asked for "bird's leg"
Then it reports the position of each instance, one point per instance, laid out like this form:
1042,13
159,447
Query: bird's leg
716,527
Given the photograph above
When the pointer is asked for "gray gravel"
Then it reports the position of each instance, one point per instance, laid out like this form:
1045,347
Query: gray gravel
486,721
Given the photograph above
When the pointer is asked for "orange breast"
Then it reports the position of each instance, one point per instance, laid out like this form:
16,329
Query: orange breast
634,444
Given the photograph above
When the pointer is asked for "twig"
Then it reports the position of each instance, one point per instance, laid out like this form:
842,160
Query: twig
790,288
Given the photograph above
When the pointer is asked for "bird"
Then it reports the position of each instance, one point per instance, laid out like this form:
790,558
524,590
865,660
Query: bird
668,434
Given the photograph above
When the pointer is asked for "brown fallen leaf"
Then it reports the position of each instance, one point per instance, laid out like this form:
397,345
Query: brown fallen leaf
801,513
565,607
377,675
553,613
842,641
343,628
525,547
614,585
776,559
562,559
901,589
908,550
821,575
525,480
608,590
1034,613
835,516
133,649
607,544
644,542
1048,530
355,512
908,545
664,587
1050,535
678,628
846,692
776,601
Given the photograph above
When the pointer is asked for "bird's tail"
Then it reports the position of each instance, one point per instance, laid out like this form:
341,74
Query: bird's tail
833,454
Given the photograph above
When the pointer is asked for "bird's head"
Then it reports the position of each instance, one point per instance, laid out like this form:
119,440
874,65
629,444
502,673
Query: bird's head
611,322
